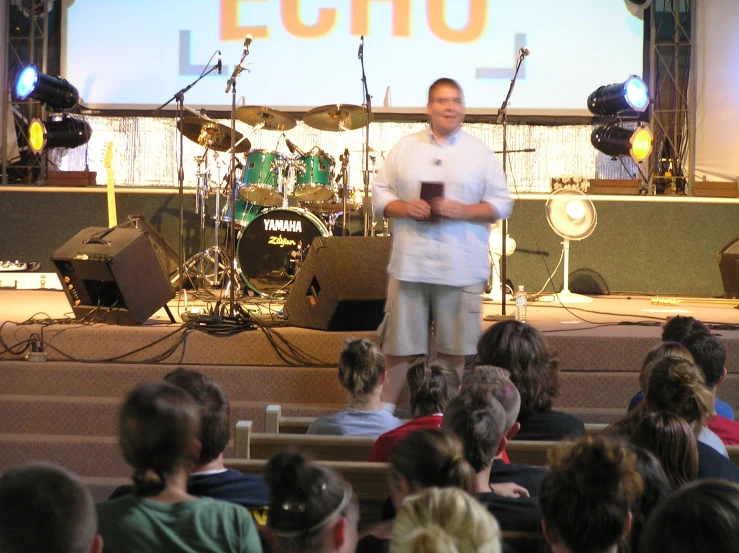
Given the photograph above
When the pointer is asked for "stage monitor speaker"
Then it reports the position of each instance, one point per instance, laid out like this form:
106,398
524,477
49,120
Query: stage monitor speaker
112,275
167,255
728,265
342,284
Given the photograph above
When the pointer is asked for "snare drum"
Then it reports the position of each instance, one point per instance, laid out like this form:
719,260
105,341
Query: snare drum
272,247
313,178
260,183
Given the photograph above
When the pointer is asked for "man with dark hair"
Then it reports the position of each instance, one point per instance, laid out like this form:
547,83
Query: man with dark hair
443,188
45,508
479,420
709,354
679,327
211,478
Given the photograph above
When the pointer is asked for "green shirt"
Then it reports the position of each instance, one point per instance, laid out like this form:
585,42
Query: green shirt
205,525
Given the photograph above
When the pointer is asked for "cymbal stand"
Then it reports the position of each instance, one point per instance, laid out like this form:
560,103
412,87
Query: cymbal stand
343,175
368,212
231,273
214,255
179,96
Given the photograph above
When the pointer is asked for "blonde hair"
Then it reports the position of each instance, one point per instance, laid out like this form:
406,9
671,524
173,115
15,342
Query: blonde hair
664,349
360,366
445,520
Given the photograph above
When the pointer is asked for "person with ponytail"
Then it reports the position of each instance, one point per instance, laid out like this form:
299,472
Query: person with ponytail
676,385
426,458
158,434
312,509
445,520
362,374
587,496
432,387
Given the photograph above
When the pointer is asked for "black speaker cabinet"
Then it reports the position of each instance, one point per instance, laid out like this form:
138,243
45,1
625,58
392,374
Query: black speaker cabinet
728,264
342,284
167,255
112,275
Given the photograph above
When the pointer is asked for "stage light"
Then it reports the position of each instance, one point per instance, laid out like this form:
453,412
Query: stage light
54,92
612,99
615,140
63,132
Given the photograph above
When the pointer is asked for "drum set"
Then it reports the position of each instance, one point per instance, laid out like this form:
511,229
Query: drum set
281,201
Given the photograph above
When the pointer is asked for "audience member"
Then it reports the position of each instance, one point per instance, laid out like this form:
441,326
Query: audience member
312,509
663,349
479,420
702,516
362,373
210,477
587,495
432,387
445,520
677,328
425,458
709,354
676,385
45,508
497,382
158,433
521,350
656,489
671,439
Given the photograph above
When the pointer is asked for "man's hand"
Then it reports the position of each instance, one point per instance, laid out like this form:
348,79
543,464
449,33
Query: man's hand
449,209
509,489
418,210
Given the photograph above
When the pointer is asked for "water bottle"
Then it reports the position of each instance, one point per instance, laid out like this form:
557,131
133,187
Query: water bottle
521,304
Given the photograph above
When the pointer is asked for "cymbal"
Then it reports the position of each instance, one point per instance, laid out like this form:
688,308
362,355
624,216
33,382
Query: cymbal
268,118
337,117
213,135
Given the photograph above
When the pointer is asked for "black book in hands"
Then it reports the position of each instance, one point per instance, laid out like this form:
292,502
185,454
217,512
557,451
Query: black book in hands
429,192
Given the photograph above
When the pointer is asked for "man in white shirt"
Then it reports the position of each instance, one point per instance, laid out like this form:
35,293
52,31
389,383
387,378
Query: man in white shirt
437,270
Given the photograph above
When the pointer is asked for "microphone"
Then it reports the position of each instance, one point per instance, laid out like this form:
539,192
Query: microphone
524,51
247,42
293,148
360,53
220,63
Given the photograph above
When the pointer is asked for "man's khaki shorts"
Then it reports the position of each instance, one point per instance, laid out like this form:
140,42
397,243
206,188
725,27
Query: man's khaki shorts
456,313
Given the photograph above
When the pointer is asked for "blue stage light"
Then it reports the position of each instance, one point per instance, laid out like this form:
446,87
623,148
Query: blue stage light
26,82
54,92
612,99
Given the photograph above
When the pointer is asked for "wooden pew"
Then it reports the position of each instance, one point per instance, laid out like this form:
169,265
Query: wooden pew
277,423
369,480
253,445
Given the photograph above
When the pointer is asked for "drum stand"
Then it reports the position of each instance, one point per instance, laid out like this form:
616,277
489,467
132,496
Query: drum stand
214,255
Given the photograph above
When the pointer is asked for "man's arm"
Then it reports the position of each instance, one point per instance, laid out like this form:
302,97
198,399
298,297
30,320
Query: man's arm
484,212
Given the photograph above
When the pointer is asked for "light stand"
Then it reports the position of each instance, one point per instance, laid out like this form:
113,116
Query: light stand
503,118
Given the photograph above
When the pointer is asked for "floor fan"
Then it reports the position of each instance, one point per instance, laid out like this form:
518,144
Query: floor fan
494,248
571,214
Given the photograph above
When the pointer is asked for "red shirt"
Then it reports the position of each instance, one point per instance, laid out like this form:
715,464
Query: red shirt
383,448
726,429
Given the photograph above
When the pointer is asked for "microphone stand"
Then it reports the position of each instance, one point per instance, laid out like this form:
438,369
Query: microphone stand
179,96
503,118
231,86
368,211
